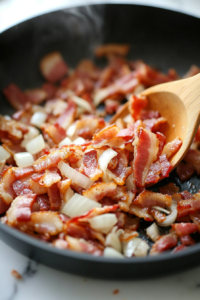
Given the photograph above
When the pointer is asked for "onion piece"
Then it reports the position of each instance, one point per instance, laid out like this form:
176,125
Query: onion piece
161,209
103,223
130,182
153,231
38,118
4,155
135,247
110,252
113,241
68,194
32,133
35,145
71,130
128,119
78,205
82,103
23,159
65,142
170,219
78,141
104,160
74,175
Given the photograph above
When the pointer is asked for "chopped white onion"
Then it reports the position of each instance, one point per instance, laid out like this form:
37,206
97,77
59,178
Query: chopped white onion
136,247
170,219
74,175
65,142
35,145
23,159
128,119
38,118
103,223
130,184
2,164
161,209
104,160
153,231
113,241
32,133
4,155
68,194
82,103
78,141
71,130
78,205
110,252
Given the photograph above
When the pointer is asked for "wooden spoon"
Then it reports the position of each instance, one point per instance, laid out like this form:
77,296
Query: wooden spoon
179,103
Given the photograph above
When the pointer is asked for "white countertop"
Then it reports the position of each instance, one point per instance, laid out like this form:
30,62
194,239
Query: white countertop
40,282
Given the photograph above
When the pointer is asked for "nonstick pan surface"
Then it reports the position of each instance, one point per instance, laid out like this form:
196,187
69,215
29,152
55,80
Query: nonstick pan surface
161,38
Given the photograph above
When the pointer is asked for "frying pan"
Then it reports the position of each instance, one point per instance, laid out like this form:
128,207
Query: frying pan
161,38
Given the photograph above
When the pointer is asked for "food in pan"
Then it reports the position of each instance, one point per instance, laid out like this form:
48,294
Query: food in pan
71,179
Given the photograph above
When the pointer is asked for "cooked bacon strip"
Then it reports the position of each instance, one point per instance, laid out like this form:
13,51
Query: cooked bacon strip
36,187
3,206
122,171
43,201
165,165
102,137
67,118
86,128
195,217
21,188
36,96
46,222
136,104
21,173
84,232
50,177
154,173
12,129
162,142
55,132
6,191
89,166
186,207
83,246
184,228
53,67
108,49
99,190
172,147
169,189
164,242
187,240
111,106
149,114
15,96
193,158
184,171
63,185
54,197
154,125
179,248
158,216
148,198
141,212
145,154
20,210
50,160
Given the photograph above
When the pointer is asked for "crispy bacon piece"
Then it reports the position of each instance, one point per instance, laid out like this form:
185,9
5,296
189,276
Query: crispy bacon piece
55,132
66,119
164,242
43,201
54,197
50,160
99,190
3,206
63,185
84,232
11,129
83,246
169,189
172,147
148,198
108,49
141,212
36,187
184,171
153,173
36,96
15,96
6,191
179,248
127,133
21,173
89,166
50,177
21,188
184,228
53,67
46,222
145,154
158,216
195,217
124,198
20,210
149,114
136,104
187,240
102,137
186,207
162,142
154,125
87,127
111,106
165,165
122,171
193,158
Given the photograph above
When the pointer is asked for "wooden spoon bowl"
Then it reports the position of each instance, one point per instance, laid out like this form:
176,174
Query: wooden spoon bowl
179,103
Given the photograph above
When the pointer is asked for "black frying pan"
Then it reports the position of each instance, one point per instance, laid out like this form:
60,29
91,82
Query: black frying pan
161,38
